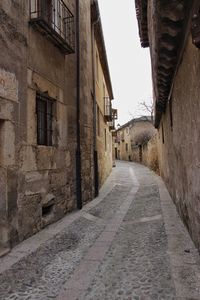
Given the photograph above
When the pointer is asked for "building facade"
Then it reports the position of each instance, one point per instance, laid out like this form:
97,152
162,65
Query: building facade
47,132
103,94
131,137
172,30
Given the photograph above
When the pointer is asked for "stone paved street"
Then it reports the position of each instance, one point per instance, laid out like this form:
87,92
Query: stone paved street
128,243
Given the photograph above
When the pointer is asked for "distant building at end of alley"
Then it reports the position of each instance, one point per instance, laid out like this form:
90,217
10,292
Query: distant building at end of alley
131,138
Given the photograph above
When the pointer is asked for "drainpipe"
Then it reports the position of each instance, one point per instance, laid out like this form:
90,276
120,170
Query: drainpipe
95,153
78,149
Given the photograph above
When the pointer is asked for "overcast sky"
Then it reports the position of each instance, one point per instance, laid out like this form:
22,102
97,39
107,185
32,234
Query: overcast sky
129,63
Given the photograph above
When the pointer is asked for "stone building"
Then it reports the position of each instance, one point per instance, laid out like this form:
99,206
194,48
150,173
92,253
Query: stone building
123,142
105,114
131,137
172,31
47,119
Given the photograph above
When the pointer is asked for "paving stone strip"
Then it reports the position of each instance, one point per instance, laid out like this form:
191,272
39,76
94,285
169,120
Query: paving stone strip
82,277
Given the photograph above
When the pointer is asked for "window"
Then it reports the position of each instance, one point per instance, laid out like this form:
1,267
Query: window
47,10
44,111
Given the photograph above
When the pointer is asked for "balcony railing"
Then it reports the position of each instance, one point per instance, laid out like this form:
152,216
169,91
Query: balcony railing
108,110
111,125
53,19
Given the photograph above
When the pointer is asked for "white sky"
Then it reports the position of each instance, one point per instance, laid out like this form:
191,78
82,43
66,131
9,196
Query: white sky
129,63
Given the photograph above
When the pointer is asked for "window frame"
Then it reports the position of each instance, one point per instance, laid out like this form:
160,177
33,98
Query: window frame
45,116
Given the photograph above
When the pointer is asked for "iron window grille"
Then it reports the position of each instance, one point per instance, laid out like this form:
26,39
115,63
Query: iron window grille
44,111
53,19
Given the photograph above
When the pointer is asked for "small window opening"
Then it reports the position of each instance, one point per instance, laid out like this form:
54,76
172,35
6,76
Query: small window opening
47,210
44,111
163,135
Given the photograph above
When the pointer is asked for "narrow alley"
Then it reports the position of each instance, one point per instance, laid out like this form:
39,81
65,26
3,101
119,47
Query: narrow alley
128,243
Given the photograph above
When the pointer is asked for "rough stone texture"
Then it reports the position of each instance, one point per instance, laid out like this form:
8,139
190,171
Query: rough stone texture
129,243
13,47
150,154
179,157
130,138
38,183
137,264
175,66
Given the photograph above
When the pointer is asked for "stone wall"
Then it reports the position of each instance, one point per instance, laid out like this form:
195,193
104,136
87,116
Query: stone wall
147,154
103,134
13,94
124,151
150,154
38,183
179,141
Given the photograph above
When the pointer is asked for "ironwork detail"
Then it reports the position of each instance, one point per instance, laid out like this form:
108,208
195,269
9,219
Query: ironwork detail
44,111
114,114
53,19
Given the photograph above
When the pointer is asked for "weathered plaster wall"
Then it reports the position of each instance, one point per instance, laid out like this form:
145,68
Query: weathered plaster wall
86,100
150,154
179,141
103,134
140,129
130,135
124,139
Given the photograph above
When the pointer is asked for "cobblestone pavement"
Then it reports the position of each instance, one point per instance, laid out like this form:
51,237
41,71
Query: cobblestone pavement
128,243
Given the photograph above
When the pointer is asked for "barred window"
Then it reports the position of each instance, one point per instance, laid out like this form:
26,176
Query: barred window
44,111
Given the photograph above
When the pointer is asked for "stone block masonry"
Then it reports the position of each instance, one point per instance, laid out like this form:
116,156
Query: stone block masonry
38,117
